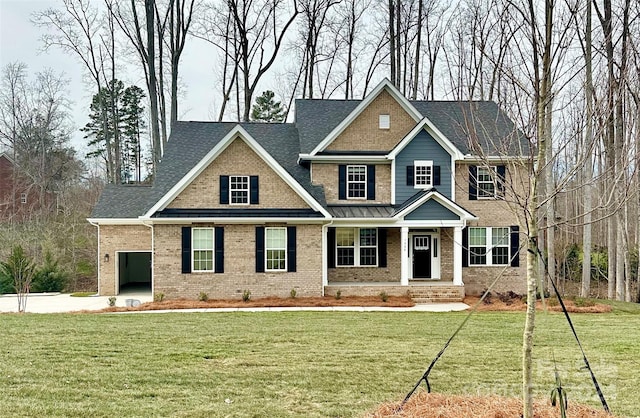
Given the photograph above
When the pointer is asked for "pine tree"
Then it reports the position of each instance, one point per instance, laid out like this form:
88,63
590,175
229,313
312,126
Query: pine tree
114,129
266,109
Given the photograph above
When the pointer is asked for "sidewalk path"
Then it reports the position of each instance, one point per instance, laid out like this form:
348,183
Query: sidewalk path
63,302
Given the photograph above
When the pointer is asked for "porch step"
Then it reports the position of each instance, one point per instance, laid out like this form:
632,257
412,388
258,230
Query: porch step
437,294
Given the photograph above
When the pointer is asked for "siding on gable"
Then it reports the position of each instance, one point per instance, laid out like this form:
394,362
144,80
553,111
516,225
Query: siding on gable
432,211
422,147
238,159
364,134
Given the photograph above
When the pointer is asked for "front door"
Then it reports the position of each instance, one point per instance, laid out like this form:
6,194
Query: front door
421,256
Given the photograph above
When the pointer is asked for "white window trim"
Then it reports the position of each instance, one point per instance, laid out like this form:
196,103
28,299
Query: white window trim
247,190
493,173
489,246
365,182
266,249
384,121
213,251
420,163
356,249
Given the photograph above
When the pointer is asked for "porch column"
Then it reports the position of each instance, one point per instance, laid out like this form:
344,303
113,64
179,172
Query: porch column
404,256
457,256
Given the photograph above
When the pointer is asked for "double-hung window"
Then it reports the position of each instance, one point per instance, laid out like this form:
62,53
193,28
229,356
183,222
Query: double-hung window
356,247
489,246
202,249
276,249
486,182
356,181
239,190
423,174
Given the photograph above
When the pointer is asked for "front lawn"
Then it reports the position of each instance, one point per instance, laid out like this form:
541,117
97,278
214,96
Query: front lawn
311,364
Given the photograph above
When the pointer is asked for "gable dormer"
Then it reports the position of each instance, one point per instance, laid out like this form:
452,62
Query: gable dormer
377,124
423,160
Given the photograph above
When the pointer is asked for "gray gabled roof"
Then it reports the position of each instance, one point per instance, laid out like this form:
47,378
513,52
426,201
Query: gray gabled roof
188,145
471,126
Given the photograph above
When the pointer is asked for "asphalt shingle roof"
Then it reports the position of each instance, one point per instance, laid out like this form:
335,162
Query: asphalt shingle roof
471,126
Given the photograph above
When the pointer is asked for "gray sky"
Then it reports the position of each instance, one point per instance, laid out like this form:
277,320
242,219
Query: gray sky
20,41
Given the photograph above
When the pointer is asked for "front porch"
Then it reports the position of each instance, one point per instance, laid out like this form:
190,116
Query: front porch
419,291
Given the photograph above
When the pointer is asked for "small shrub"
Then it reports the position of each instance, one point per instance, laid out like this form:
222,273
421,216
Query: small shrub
508,297
50,277
487,299
553,301
293,293
338,294
6,285
158,297
246,295
383,296
583,302
112,301
203,297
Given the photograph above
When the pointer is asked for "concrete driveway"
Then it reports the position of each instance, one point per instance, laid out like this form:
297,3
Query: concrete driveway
64,302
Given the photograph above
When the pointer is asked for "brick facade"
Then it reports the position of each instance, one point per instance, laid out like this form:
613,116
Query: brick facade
238,159
239,266
364,132
495,213
326,175
114,239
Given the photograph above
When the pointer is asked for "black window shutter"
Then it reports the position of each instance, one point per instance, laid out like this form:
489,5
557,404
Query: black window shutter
224,190
186,249
342,182
382,247
259,249
331,247
473,182
254,190
410,177
219,244
371,182
436,175
502,173
291,248
465,247
515,246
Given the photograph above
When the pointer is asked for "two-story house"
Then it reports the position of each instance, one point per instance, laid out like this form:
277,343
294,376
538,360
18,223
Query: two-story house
360,196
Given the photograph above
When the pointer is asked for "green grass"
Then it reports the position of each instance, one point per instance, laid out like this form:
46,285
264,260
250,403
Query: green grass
83,294
311,364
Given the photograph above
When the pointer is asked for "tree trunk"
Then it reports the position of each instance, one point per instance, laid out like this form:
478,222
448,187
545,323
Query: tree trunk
149,6
392,41
416,70
587,173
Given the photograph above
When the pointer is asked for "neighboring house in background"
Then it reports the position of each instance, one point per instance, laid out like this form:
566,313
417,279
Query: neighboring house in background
357,196
17,200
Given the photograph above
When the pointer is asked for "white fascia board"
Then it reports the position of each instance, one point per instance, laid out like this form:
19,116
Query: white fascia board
453,207
343,158
115,221
235,133
384,84
496,159
243,221
425,123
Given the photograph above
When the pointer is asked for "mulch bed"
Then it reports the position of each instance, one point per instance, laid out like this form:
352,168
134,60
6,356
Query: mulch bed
436,405
517,304
271,302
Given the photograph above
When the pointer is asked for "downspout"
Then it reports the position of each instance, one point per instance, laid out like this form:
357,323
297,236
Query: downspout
153,251
325,248
98,255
